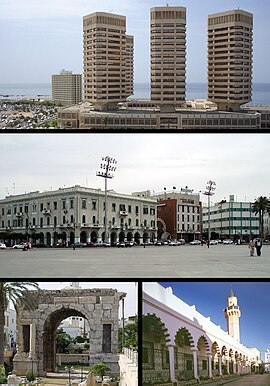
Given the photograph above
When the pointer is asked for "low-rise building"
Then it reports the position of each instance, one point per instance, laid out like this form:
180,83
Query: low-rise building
231,219
179,214
10,329
77,214
267,361
180,344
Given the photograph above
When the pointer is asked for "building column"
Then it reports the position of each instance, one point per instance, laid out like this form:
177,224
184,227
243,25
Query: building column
210,374
234,367
220,365
195,364
228,366
32,343
171,358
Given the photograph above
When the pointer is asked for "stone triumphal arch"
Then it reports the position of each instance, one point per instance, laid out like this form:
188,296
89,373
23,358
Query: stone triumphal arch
36,330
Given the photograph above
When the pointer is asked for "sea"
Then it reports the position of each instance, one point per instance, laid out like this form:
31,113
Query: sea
261,91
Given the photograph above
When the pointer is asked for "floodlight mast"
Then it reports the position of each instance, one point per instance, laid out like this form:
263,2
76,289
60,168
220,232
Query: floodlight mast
210,191
107,167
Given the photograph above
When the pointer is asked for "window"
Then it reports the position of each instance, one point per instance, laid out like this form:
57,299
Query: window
145,210
72,218
63,204
48,220
137,222
113,207
113,221
54,220
152,211
3,211
71,203
122,207
41,207
41,222
15,209
137,210
34,208
106,338
26,208
83,219
55,205
64,219
204,364
83,203
33,221
94,219
94,205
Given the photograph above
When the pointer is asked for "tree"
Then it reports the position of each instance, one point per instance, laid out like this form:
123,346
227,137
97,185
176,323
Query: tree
100,369
261,206
21,297
130,336
63,340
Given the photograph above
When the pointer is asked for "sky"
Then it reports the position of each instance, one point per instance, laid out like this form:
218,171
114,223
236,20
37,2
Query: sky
39,38
210,299
238,163
130,288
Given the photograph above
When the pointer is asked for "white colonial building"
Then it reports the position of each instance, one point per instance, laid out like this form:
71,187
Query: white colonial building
78,214
10,329
180,344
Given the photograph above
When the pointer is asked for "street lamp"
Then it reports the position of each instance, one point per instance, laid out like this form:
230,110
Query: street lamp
106,172
210,191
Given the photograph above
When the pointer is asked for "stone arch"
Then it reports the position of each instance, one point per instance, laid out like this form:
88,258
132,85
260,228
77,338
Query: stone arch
186,337
113,237
37,328
215,358
93,237
224,359
129,236
137,238
202,358
121,236
50,326
83,237
48,238
71,238
145,237
154,323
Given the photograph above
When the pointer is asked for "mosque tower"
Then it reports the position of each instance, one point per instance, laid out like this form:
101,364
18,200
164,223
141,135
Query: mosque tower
232,314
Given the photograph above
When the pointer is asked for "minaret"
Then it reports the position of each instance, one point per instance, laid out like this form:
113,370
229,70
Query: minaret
232,314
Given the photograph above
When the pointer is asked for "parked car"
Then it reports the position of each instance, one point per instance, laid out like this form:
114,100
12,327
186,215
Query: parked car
2,246
195,242
121,244
19,246
228,241
173,243
78,244
103,244
213,242
129,244
158,243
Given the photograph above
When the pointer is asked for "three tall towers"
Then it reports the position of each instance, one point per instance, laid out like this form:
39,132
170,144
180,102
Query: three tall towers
109,58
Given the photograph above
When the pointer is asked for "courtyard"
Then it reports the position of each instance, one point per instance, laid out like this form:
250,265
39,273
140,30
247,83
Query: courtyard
219,261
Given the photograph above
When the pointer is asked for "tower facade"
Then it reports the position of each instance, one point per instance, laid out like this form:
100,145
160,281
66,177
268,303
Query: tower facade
230,58
232,314
67,88
105,59
168,56
129,65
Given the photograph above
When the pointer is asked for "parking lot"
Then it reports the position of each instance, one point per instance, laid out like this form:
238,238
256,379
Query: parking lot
219,261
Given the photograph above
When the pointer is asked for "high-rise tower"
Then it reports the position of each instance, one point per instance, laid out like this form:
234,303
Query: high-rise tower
107,70
230,58
232,314
168,56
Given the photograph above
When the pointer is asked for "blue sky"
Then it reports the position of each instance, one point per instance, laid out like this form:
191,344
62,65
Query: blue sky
39,38
210,299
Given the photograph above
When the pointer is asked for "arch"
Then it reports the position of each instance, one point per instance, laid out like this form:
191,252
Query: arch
152,323
113,238
93,237
48,238
202,357
121,236
83,237
137,238
215,358
145,237
224,360
152,237
71,238
184,361
129,236
49,334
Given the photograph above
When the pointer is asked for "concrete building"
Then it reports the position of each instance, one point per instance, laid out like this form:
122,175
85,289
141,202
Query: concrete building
267,360
67,88
149,117
108,64
129,65
180,344
77,213
10,329
168,56
232,219
230,58
179,215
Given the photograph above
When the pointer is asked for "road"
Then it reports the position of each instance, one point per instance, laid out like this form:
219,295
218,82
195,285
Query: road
253,379
219,261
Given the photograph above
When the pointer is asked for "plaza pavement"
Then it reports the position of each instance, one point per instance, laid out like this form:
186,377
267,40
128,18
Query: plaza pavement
246,380
219,261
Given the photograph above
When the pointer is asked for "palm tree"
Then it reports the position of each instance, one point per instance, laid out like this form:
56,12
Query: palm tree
261,206
21,296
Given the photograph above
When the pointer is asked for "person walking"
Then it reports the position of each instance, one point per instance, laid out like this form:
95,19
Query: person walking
251,246
258,246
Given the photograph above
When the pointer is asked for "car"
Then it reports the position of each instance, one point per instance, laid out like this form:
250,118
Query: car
213,242
19,246
227,241
158,243
173,243
2,246
129,244
103,244
121,244
78,244
195,242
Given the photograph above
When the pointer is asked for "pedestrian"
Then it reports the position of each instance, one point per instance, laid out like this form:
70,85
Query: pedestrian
251,246
208,243
258,246
202,242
